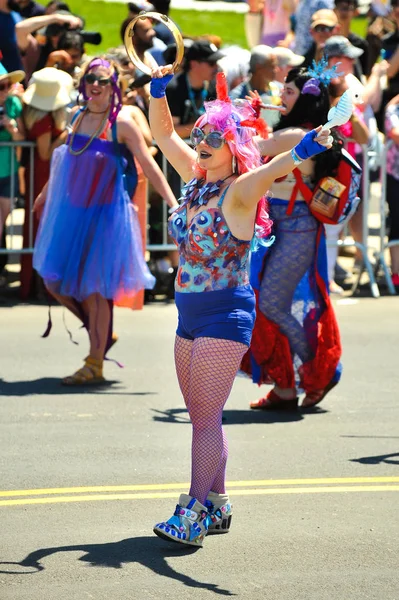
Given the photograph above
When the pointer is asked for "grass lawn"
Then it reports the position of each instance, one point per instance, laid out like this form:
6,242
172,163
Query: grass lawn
107,17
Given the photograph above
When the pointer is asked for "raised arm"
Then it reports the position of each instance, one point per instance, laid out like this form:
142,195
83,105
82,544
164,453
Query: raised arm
130,134
373,89
24,28
180,156
250,187
280,141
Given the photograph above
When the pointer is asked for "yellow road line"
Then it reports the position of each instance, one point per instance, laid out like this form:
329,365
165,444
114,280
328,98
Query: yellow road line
249,492
184,486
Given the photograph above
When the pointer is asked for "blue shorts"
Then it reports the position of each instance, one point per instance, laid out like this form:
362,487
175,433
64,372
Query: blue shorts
227,314
5,186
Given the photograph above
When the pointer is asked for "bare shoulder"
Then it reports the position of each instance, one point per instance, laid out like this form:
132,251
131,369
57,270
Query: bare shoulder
72,114
125,124
129,110
124,117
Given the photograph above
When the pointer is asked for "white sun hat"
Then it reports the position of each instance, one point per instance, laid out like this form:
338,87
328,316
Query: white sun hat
49,89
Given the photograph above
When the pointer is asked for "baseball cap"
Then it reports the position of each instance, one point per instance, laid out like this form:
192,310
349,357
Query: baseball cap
338,45
286,57
203,51
324,17
169,54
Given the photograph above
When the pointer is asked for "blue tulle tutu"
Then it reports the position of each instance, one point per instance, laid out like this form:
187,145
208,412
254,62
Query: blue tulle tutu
89,237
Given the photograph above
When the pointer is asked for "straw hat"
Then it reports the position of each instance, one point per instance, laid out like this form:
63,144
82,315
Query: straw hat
49,89
14,76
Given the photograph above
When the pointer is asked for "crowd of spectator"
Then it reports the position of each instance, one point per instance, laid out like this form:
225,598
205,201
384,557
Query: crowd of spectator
43,50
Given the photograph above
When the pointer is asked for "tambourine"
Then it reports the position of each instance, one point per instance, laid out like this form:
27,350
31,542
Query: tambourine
161,19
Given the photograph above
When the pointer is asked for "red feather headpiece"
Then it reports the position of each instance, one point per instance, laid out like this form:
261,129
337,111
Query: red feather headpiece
254,121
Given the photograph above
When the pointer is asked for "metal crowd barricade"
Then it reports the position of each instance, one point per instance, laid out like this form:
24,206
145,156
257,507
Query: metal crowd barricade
11,226
384,245
364,246
165,245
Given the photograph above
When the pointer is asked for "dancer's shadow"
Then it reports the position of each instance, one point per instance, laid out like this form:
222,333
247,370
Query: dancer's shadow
231,417
147,551
376,460
51,386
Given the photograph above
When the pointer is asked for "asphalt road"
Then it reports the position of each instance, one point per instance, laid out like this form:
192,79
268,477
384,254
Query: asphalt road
85,475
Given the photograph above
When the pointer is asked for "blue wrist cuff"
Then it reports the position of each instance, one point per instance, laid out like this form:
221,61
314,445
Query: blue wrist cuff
158,86
307,147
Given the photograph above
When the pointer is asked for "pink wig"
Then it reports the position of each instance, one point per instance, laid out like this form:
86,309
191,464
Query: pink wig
239,123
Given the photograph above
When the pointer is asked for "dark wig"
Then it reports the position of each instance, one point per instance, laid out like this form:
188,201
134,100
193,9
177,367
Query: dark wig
310,111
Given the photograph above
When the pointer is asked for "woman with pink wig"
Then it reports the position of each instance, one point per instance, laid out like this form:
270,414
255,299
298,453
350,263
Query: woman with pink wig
88,249
221,215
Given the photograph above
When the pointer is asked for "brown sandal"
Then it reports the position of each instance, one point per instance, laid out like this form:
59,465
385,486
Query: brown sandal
314,398
90,374
274,402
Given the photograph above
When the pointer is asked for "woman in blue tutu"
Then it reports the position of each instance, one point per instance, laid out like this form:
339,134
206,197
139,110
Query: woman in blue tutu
88,249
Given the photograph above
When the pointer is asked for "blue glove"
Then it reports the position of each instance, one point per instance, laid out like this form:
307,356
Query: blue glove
158,85
307,147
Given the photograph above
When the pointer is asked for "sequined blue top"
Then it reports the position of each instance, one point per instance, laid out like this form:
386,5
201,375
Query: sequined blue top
211,257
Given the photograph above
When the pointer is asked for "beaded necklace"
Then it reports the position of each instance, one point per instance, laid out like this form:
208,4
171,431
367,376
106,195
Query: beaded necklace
95,134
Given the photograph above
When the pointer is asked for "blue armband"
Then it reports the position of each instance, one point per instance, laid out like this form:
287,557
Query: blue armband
307,147
158,85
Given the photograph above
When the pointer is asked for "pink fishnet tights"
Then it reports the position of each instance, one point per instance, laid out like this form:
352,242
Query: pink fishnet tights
206,368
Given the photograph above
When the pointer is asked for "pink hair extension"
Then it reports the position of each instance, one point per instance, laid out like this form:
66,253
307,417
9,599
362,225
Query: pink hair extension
239,123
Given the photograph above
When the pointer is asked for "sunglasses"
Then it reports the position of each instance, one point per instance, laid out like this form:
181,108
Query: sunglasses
4,86
102,81
214,139
323,28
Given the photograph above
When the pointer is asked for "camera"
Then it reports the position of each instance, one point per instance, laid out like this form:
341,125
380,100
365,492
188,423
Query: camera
91,37
88,37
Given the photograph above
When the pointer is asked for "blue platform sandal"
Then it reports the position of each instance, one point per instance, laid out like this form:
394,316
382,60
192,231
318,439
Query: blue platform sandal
188,525
220,513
